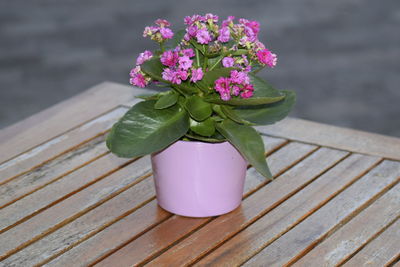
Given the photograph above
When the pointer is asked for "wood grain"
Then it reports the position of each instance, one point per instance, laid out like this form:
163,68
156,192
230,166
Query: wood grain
356,233
113,237
379,251
62,117
316,227
51,171
336,137
65,143
75,206
224,226
287,215
59,190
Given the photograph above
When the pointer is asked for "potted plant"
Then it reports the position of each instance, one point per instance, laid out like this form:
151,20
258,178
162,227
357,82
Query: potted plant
199,133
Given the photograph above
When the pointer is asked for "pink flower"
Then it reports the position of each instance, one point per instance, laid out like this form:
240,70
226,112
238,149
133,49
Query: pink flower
173,76
203,36
211,18
228,21
197,75
192,30
185,63
247,91
267,57
162,23
228,62
146,55
240,77
224,35
191,20
166,33
169,58
149,31
137,78
222,86
188,52
235,90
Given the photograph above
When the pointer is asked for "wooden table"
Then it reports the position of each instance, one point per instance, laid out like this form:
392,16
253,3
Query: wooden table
66,201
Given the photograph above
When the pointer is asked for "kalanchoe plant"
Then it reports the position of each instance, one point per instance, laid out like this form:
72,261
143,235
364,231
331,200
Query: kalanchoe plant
214,95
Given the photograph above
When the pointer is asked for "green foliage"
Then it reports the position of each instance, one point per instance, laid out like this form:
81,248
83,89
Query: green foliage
249,142
210,77
176,40
203,128
269,113
144,130
166,100
197,108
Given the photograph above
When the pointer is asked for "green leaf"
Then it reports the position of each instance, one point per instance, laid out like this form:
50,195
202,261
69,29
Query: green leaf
249,142
244,101
262,88
176,40
211,76
212,139
198,46
270,113
144,130
149,96
197,108
204,128
166,100
231,114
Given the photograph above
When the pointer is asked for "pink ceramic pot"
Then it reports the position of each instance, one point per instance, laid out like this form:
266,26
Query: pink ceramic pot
199,179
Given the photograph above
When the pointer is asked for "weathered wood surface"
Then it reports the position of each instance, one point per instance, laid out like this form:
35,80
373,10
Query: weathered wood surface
66,201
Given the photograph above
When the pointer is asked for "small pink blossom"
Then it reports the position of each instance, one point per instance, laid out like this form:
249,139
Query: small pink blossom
137,78
166,33
192,30
197,75
149,31
146,55
239,77
163,23
203,36
228,62
188,52
173,76
191,20
247,91
224,35
211,18
228,21
185,63
169,58
267,57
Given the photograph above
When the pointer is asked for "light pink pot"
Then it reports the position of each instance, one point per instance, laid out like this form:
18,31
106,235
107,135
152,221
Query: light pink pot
199,179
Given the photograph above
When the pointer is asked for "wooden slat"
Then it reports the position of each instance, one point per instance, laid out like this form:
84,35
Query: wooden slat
381,250
62,117
122,232
336,137
51,171
62,188
356,233
75,206
275,223
223,227
312,230
37,156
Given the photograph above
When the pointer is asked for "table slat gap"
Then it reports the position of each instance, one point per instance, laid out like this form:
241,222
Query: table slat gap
268,228
38,156
369,241
36,184
259,256
381,250
69,194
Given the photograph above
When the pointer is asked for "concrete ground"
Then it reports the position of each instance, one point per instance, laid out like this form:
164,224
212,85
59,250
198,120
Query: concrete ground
342,57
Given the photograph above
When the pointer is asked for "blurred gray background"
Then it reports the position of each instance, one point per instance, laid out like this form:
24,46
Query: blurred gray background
342,57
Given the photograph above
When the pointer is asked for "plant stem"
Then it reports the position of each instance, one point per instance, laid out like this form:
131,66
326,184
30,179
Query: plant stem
197,58
162,47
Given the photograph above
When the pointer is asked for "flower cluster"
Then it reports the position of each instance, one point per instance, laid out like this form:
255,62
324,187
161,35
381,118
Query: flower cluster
238,83
159,33
180,66
231,44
